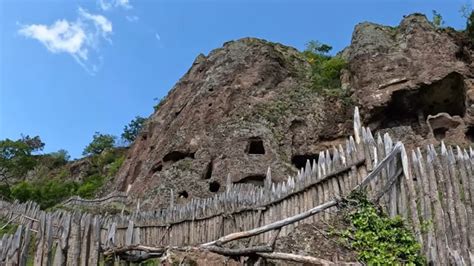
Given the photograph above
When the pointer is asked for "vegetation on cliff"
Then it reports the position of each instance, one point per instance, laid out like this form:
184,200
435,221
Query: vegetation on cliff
377,238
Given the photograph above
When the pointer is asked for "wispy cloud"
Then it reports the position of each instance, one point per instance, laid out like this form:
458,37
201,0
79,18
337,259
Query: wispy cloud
157,36
79,38
108,4
132,18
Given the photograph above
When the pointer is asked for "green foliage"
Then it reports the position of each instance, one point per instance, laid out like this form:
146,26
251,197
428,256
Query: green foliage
99,143
159,104
90,186
437,21
325,69
131,131
470,26
15,158
61,157
46,193
379,239
7,229
115,166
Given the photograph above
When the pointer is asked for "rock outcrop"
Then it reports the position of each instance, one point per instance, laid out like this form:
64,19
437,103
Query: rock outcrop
249,105
402,75
237,111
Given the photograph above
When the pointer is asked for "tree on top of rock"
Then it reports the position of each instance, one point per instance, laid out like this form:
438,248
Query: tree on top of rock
133,129
100,142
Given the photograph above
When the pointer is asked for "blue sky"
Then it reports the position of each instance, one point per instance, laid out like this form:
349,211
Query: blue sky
69,68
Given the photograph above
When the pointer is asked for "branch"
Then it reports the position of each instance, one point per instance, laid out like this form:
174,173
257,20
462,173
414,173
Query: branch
272,226
295,258
134,247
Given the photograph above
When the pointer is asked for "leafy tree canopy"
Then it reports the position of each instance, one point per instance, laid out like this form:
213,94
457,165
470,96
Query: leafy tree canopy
131,131
15,156
99,143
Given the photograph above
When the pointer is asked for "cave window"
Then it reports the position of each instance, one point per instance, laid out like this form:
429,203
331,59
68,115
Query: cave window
257,180
175,156
208,171
470,133
214,186
157,168
183,194
255,146
412,107
440,133
299,161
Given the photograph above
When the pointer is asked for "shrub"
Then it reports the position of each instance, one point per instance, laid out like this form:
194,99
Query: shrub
115,166
159,104
325,69
46,193
379,239
437,21
99,143
90,186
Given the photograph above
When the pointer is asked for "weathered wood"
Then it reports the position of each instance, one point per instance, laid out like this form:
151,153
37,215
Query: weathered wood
439,213
456,238
461,213
272,226
295,258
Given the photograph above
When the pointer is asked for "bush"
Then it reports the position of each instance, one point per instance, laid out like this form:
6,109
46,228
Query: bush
325,69
115,166
437,21
46,193
99,143
90,186
379,239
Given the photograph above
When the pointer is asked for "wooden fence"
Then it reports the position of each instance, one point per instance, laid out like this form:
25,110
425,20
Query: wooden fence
432,189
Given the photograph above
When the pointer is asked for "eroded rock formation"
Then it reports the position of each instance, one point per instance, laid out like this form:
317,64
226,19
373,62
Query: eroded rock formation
400,76
242,108
249,105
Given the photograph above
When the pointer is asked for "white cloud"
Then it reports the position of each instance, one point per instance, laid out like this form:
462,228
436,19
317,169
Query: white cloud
132,18
99,20
108,4
79,38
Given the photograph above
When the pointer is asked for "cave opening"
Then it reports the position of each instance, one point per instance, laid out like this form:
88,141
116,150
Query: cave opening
255,146
208,171
175,156
156,168
257,180
470,133
214,186
183,194
440,133
299,161
412,107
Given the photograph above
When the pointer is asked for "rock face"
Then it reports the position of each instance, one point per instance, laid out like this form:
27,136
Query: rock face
249,105
237,111
402,75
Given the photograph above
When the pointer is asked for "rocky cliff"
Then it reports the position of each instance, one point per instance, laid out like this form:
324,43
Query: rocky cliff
249,105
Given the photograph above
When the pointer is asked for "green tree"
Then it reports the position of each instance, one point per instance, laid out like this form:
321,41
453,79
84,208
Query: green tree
470,26
325,69
131,131
99,143
15,159
60,157
437,19
34,143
